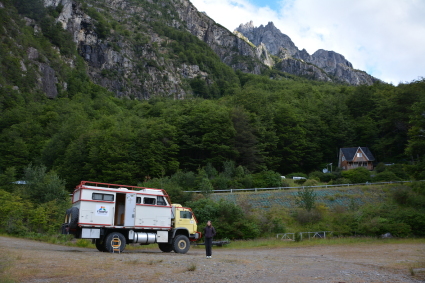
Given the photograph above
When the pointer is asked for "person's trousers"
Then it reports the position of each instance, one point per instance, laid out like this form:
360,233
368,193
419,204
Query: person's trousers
208,246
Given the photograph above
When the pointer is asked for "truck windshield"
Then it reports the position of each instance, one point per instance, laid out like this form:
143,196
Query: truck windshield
186,214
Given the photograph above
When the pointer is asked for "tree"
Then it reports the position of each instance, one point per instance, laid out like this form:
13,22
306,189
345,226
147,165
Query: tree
306,198
43,186
205,187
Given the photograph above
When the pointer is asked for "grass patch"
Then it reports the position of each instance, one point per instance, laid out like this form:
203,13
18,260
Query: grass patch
274,243
417,270
191,267
6,262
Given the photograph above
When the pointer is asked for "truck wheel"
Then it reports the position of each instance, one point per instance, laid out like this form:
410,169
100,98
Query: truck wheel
181,244
100,245
117,239
166,248
73,218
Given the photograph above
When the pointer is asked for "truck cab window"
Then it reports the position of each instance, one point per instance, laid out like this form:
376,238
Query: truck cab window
161,201
149,201
186,214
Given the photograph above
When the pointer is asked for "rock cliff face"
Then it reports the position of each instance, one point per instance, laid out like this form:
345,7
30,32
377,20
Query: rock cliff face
227,46
139,70
322,65
129,48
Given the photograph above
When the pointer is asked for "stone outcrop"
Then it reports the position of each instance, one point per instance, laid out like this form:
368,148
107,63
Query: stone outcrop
138,71
300,68
322,65
48,80
224,43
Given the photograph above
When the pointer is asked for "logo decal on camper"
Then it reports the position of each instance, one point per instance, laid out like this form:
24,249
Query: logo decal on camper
102,210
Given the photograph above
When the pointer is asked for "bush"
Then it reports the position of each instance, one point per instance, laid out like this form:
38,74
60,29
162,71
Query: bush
306,198
378,226
357,175
307,217
311,182
266,179
300,181
380,167
398,170
386,176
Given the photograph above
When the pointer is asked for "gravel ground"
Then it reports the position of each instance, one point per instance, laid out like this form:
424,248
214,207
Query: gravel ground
31,261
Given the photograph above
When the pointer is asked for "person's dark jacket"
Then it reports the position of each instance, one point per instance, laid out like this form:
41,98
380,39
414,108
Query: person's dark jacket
209,232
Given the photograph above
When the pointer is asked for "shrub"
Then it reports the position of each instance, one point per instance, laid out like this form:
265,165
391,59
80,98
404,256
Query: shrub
306,198
267,179
380,167
386,176
311,182
357,175
300,181
398,170
307,217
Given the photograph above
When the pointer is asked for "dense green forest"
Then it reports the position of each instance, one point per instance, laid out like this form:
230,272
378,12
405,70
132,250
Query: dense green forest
241,131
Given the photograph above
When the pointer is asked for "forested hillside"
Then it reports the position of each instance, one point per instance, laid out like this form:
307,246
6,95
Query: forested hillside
58,126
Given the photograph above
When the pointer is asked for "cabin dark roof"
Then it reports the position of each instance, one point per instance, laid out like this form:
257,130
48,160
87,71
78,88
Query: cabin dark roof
350,152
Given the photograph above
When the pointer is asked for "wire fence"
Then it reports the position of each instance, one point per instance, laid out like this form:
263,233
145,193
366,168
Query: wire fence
288,188
310,235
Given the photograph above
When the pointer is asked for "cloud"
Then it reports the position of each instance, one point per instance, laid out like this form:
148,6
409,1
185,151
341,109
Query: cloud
384,38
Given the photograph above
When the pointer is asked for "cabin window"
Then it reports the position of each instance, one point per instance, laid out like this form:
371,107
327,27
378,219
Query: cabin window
138,200
160,201
149,201
105,197
359,154
186,214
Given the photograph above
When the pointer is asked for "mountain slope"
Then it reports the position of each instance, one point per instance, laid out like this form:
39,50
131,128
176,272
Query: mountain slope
322,65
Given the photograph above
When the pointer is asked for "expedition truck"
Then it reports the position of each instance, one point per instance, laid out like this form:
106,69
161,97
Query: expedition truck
115,215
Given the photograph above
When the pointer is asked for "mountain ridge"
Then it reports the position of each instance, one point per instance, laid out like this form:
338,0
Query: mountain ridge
327,65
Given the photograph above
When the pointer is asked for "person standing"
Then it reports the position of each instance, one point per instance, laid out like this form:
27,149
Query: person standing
209,233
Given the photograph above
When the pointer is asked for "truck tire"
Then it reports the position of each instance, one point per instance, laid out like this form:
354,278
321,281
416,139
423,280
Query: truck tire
100,245
181,244
73,218
109,242
166,248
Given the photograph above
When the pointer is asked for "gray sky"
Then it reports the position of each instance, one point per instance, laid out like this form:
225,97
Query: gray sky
385,38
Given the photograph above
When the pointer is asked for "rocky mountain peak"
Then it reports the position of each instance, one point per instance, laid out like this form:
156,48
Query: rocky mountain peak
272,37
322,65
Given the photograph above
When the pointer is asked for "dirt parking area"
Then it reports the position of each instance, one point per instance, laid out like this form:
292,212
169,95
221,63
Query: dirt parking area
31,261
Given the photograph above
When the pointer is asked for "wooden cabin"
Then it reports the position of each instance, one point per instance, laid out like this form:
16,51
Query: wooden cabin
353,157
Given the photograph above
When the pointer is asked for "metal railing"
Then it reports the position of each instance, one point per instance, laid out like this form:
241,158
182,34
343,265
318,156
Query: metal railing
287,188
291,236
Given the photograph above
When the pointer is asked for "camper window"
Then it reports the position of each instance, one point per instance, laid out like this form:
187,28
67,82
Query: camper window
161,201
149,200
105,197
138,200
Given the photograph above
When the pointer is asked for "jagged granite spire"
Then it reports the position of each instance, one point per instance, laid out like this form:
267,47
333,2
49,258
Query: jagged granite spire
322,65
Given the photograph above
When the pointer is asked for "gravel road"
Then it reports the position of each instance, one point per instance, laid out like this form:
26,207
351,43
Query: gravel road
31,261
